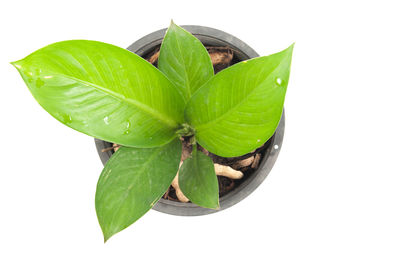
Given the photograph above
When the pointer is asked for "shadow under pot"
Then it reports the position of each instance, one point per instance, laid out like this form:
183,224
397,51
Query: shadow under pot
224,50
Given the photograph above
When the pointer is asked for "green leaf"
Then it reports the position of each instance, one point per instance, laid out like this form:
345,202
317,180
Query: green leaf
184,60
240,108
104,91
198,181
132,181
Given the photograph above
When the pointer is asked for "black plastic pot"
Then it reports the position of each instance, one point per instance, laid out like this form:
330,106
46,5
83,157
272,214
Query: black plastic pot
210,37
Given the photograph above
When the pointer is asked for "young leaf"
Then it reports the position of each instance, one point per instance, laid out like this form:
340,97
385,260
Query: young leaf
104,91
184,60
198,181
132,181
239,108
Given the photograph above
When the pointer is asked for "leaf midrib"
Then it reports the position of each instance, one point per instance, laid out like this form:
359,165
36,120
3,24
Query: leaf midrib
187,84
128,190
206,125
145,108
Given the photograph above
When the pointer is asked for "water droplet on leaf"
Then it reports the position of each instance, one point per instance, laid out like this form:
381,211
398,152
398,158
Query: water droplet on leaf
64,118
278,81
106,120
128,125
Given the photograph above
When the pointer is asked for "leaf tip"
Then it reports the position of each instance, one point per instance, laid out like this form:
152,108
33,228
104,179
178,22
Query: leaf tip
172,24
107,235
290,48
17,64
288,52
106,239
214,205
218,207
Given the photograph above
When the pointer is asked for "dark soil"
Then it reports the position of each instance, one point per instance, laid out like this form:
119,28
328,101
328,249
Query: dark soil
221,57
225,184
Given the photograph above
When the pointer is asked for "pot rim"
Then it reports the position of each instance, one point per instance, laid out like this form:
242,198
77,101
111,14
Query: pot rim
217,37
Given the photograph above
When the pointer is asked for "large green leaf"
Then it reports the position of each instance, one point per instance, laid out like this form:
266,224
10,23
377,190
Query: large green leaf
104,91
239,108
184,60
198,181
132,181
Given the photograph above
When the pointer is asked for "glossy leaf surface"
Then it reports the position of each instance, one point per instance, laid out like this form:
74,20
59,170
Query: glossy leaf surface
104,91
132,181
198,181
184,60
239,109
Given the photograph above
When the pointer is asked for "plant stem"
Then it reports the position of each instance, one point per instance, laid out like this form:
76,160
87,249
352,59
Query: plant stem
185,130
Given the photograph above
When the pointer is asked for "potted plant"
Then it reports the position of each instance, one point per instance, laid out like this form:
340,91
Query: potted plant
167,125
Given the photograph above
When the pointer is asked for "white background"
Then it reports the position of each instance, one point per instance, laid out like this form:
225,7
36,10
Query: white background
331,201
